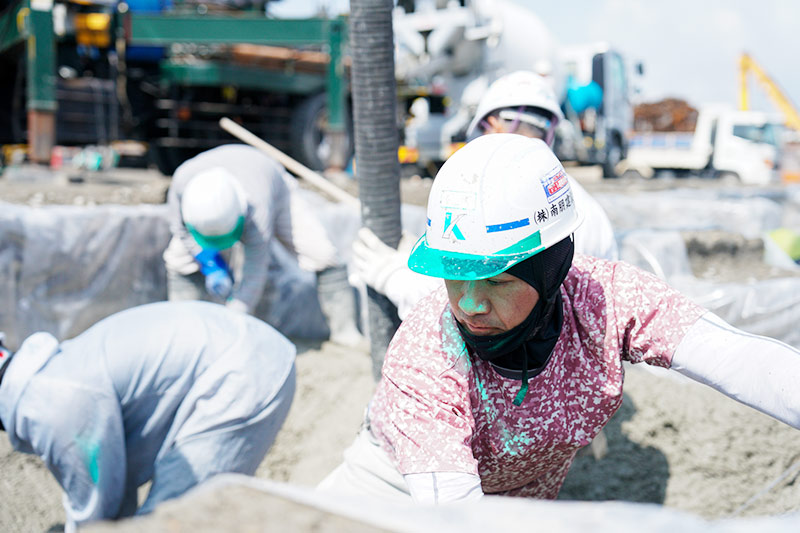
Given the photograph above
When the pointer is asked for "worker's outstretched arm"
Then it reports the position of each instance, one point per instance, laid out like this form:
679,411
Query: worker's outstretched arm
248,291
758,371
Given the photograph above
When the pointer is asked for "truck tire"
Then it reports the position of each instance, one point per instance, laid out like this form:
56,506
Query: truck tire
168,158
727,177
613,156
165,159
309,143
632,174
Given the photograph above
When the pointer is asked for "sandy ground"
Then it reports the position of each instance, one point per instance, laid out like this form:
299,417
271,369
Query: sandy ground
673,442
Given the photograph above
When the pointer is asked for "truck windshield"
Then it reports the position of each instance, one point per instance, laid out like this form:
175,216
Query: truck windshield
761,134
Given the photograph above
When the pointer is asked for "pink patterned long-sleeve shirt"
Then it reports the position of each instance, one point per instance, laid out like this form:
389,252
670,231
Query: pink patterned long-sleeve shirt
440,409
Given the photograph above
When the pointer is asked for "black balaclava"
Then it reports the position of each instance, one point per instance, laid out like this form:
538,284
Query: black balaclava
525,349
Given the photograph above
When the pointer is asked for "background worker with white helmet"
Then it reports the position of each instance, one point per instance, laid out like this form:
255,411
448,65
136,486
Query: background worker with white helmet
226,206
169,392
494,382
522,102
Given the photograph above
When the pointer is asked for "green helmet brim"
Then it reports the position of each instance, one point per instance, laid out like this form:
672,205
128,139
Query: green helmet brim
461,266
218,242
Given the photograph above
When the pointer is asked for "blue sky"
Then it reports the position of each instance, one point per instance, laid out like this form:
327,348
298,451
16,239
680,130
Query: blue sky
689,48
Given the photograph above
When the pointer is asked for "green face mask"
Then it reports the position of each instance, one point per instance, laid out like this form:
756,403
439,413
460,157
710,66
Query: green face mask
218,242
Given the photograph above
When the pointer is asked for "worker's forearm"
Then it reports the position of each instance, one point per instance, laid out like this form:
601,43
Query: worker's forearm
757,371
250,287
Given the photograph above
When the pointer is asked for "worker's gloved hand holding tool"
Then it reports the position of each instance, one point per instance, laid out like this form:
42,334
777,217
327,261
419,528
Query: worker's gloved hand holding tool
374,262
218,278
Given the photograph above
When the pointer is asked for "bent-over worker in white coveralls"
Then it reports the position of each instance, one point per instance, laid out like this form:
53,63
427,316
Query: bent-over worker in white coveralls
236,195
173,392
522,102
494,382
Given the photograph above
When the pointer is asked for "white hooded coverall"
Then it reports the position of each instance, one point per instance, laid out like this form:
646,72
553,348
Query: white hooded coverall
173,392
273,211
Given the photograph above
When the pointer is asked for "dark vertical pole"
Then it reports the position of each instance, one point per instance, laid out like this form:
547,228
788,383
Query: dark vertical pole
376,142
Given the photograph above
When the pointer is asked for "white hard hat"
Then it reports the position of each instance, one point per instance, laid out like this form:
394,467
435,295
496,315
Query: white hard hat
495,202
213,208
518,89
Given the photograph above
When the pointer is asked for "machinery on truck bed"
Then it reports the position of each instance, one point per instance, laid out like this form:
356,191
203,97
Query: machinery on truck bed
164,72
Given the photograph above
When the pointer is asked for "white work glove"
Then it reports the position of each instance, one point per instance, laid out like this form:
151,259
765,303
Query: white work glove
374,262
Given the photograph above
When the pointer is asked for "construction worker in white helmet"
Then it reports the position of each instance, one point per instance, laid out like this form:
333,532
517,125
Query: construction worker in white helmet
522,102
168,392
494,381
226,205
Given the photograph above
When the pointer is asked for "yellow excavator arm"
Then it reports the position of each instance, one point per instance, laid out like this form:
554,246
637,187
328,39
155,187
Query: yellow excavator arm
748,64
